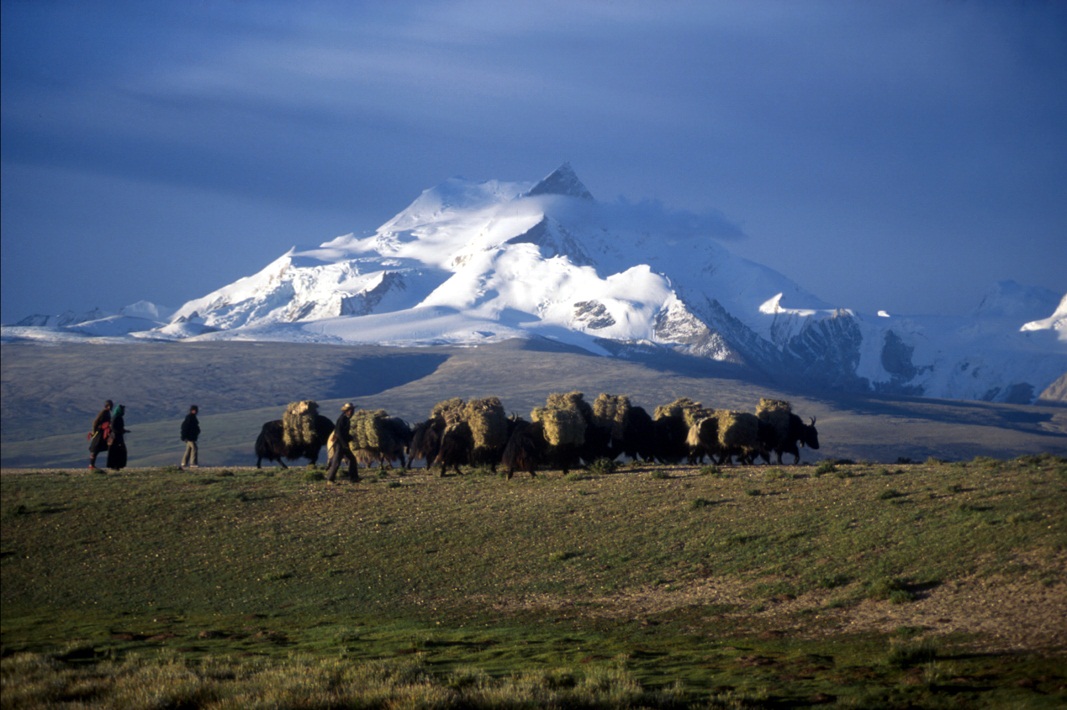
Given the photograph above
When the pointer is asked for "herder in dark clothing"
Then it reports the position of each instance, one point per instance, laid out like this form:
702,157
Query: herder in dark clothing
99,433
116,441
343,434
190,433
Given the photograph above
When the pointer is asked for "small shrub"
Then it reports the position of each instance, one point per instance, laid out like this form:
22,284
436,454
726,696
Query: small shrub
314,475
909,653
660,475
825,467
893,590
712,470
833,581
891,494
702,503
564,555
754,492
603,466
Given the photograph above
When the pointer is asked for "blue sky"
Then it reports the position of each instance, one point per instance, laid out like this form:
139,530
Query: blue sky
885,155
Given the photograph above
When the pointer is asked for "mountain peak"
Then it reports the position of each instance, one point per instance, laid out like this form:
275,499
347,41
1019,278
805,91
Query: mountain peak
562,181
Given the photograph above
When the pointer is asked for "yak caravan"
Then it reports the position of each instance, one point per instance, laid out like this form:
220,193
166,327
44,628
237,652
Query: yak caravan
564,434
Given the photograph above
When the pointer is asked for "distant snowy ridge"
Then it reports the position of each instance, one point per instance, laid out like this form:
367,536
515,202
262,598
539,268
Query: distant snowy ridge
469,263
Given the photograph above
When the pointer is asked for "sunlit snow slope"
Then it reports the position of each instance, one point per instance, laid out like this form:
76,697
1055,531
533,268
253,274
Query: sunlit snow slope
468,263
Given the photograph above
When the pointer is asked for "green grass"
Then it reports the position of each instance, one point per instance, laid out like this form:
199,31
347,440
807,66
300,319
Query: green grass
662,587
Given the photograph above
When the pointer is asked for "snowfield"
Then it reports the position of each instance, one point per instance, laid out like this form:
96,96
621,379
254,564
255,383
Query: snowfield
470,263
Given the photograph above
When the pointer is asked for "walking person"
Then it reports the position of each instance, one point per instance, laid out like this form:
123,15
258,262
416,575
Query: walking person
116,441
98,435
190,433
343,435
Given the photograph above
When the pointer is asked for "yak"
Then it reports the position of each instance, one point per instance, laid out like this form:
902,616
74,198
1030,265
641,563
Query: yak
270,444
703,440
425,441
395,437
639,438
457,443
785,440
525,448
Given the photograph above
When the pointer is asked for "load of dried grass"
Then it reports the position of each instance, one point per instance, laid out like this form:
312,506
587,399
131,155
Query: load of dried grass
771,405
450,410
298,423
488,422
571,400
369,431
610,411
775,412
737,430
685,409
564,418
562,427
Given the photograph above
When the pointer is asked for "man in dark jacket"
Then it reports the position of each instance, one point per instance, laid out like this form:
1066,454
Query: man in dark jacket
98,434
190,433
342,434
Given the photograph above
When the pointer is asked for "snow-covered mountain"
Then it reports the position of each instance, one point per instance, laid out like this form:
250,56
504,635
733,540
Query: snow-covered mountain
469,263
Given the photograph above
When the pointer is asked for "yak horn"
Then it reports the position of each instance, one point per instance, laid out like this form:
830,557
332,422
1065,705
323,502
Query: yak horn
812,422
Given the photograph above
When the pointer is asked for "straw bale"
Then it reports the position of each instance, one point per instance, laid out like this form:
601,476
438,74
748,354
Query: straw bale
737,429
562,426
611,411
450,410
681,408
298,423
771,405
488,422
571,400
369,430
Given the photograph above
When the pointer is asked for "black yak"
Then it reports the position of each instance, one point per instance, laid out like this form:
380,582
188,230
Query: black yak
525,448
270,444
703,440
639,437
739,435
457,443
785,439
425,441
379,438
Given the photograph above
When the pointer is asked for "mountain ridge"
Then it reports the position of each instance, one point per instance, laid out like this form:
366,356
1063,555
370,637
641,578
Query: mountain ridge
477,262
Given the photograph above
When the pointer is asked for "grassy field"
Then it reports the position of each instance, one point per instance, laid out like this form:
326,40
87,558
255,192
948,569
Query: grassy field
854,585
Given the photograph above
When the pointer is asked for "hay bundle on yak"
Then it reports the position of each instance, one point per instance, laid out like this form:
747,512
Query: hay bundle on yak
775,412
782,430
672,423
378,437
611,411
564,421
450,411
298,424
488,423
301,433
739,436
